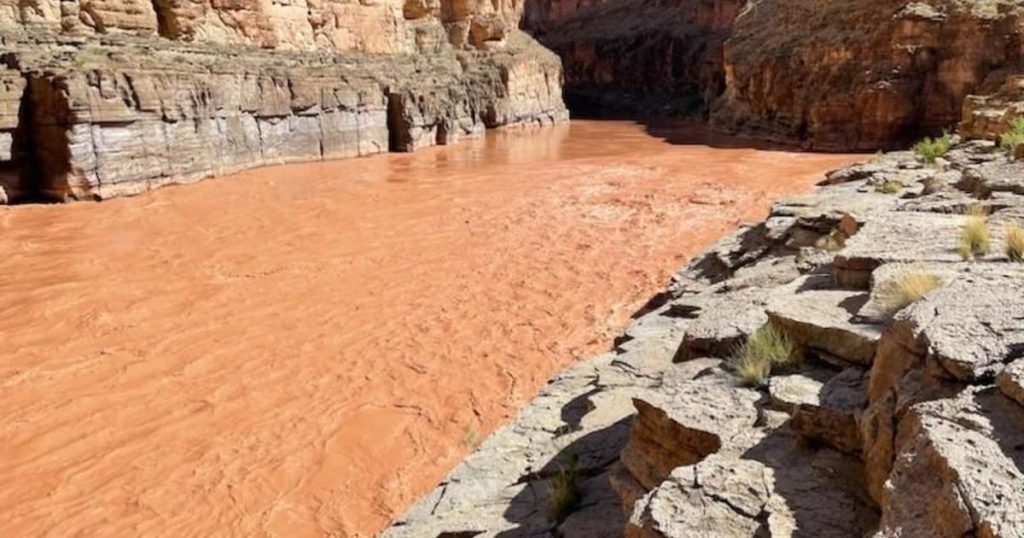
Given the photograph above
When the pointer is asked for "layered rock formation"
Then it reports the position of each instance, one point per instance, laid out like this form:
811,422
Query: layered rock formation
637,55
830,75
902,418
103,99
862,75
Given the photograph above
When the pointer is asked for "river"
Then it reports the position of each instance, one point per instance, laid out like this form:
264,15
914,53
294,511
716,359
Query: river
302,350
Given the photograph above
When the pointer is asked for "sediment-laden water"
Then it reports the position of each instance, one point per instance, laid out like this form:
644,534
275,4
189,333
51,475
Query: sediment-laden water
303,350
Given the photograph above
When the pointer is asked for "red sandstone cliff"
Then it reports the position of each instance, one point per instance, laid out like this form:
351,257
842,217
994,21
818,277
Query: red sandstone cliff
832,74
861,75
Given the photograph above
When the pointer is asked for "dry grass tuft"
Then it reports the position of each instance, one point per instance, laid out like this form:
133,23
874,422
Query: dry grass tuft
1015,242
909,285
767,348
752,371
975,239
564,490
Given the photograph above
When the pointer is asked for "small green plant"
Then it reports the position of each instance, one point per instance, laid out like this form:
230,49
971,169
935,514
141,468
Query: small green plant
975,239
766,349
1014,136
1015,242
470,437
907,286
878,157
564,490
928,150
891,186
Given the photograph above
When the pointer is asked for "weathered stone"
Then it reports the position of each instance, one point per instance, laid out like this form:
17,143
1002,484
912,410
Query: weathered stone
862,75
722,321
719,496
777,488
901,237
1011,381
823,319
833,418
972,325
685,422
959,469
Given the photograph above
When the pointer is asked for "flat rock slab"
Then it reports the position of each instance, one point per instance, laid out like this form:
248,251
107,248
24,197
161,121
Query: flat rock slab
823,320
973,325
900,237
958,471
722,321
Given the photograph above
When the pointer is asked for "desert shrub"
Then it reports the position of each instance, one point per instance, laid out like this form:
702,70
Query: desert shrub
1014,136
929,149
767,348
564,490
891,186
1015,242
975,239
907,286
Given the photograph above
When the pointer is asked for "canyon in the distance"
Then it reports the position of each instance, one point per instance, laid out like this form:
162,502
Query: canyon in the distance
343,315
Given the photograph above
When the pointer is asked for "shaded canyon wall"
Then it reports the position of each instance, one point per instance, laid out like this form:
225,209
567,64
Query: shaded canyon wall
107,98
833,75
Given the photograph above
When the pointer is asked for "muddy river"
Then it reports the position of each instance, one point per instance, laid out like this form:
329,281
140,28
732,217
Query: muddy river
303,350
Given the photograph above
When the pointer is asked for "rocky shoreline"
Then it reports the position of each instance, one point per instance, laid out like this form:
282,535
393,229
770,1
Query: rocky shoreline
900,420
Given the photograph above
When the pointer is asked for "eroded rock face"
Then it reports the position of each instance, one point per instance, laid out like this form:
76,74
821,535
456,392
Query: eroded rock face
861,75
636,55
95,105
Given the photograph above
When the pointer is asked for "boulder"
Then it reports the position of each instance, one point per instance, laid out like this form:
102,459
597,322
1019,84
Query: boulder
958,469
686,421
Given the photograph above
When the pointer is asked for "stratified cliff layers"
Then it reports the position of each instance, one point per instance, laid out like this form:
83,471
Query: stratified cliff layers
832,74
104,98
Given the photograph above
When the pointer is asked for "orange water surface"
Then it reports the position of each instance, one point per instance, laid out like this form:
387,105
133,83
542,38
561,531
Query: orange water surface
303,350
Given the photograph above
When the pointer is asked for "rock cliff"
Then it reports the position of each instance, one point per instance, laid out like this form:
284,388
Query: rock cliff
833,75
896,415
101,99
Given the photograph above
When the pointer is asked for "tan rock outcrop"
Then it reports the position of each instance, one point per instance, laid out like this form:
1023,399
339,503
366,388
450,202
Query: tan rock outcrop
97,105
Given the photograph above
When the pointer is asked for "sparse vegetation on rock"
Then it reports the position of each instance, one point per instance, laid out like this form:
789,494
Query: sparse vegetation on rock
1015,242
929,149
564,490
908,285
975,238
889,187
1014,136
768,348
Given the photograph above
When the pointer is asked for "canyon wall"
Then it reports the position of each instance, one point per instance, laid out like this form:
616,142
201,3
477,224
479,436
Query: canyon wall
862,75
637,55
833,75
103,98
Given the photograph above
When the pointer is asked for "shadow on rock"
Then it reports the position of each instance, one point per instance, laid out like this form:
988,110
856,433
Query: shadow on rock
583,465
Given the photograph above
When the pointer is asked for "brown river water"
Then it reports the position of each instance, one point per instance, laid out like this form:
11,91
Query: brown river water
303,350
